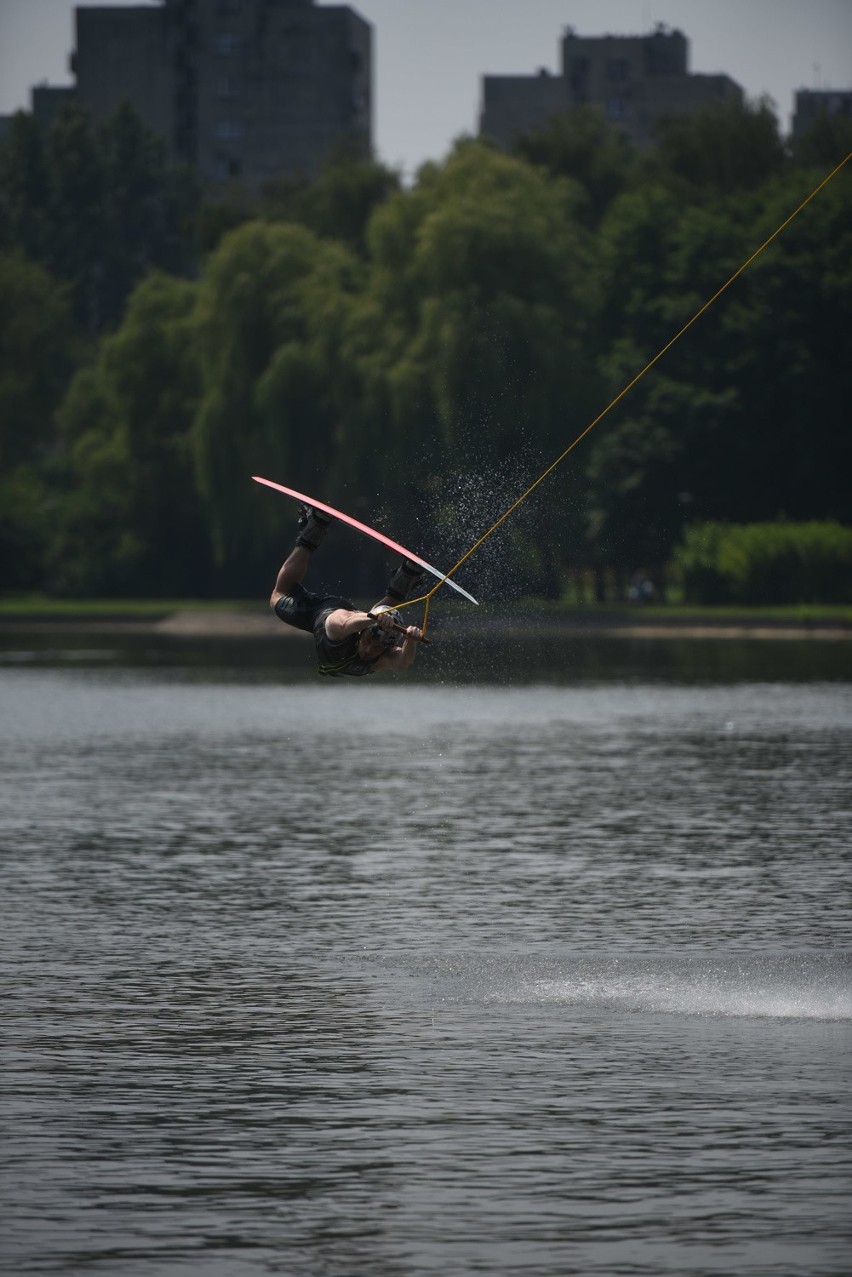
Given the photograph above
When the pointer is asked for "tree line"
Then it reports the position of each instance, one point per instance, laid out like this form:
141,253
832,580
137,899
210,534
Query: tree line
417,355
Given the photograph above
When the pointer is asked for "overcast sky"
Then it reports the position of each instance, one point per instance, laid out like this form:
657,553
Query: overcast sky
430,54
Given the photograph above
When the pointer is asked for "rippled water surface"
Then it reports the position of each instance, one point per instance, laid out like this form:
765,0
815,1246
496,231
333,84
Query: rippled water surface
423,978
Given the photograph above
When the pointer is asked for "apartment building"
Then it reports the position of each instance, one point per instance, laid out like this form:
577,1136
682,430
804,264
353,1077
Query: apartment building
813,103
242,89
636,80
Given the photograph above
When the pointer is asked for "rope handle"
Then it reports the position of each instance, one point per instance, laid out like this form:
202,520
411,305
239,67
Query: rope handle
400,629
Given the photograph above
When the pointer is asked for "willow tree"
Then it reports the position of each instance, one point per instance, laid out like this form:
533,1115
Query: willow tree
38,350
273,302
129,521
479,305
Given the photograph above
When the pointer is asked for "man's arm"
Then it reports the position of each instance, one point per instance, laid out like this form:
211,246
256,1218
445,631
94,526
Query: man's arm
401,658
340,623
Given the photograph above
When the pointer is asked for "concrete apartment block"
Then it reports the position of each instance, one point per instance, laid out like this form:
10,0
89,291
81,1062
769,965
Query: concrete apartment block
515,104
241,89
47,103
813,103
126,55
278,84
634,79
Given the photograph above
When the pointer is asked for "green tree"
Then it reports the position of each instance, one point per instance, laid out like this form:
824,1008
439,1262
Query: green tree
97,207
38,350
131,521
667,450
791,358
824,144
78,213
338,201
37,354
149,209
766,563
25,191
655,455
721,149
273,303
583,146
744,417
480,303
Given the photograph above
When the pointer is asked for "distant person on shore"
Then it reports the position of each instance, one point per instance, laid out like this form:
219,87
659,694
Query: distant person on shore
348,642
641,587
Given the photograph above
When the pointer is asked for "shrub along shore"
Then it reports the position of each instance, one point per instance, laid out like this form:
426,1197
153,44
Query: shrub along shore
244,619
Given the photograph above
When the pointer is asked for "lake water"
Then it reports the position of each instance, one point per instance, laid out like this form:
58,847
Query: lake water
535,962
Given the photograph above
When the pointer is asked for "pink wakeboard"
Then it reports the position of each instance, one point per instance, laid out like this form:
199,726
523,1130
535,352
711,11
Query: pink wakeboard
370,532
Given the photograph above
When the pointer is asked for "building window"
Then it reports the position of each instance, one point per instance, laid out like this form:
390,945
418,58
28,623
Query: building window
228,44
579,73
227,86
617,69
228,6
615,108
229,130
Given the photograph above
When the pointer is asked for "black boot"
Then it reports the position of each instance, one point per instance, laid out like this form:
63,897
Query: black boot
313,525
407,582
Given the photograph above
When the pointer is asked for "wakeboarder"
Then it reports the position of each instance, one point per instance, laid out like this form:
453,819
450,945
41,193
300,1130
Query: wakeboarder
348,641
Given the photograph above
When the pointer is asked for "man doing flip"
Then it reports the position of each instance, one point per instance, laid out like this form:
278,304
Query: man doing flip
347,641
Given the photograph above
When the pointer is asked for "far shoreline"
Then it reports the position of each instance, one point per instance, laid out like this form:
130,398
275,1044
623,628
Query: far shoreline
246,623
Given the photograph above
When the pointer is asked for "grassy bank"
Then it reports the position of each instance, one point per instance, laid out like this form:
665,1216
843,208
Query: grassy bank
799,613
39,607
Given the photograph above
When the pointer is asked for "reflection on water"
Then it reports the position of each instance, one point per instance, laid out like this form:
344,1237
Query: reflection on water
550,658
514,977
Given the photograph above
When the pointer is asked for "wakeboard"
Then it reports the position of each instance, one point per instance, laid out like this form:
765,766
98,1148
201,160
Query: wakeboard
368,531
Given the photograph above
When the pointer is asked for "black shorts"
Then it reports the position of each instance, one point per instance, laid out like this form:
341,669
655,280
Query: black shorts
302,609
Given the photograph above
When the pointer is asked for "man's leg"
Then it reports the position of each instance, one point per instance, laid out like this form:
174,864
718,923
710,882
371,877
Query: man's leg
313,526
292,571
408,581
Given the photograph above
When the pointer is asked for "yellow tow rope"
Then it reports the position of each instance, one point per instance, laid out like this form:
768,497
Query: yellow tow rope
427,597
